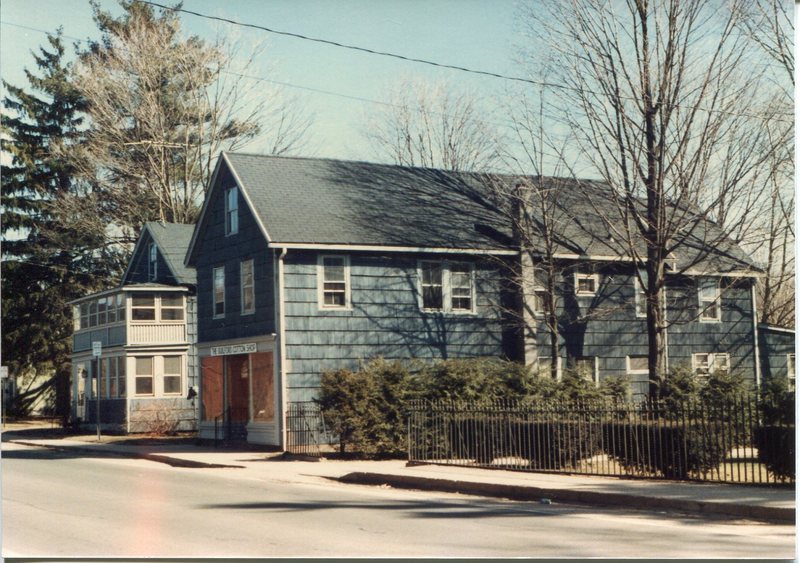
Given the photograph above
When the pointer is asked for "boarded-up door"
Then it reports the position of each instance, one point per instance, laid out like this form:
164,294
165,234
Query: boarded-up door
211,377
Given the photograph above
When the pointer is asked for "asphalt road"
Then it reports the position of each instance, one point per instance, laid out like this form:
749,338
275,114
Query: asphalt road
59,505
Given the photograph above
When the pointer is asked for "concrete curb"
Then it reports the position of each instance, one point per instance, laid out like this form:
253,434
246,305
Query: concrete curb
158,458
528,493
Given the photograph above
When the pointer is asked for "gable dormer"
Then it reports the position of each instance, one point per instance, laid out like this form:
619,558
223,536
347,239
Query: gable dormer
158,256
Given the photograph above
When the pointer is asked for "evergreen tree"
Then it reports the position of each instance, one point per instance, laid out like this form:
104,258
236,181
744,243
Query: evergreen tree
45,261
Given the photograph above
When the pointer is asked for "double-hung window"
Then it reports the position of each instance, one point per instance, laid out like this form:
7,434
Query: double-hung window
706,363
636,364
231,211
708,295
152,263
219,291
447,286
173,375
586,367
790,370
333,275
247,287
144,375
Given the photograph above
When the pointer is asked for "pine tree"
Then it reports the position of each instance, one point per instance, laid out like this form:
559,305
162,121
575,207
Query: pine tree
45,262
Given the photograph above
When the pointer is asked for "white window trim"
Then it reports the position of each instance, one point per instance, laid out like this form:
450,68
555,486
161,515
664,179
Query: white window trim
791,368
152,376
717,303
158,313
537,292
447,295
252,310
180,375
595,367
711,364
630,371
216,315
581,276
321,283
229,227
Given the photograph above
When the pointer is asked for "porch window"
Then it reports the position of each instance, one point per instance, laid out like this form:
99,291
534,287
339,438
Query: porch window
152,263
461,287
93,313
247,287
432,286
102,375
113,389
790,370
143,307
144,375
710,303
219,292
121,376
231,211
120,307
102,308
84,315
172,307
111,309
334,275
173,375
586,284
704,364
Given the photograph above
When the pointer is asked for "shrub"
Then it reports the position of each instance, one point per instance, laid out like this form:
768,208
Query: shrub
677,387
474,379
574,386
617,388
675,451
776,449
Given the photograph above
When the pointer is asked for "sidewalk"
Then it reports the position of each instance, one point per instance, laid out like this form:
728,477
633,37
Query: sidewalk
775,504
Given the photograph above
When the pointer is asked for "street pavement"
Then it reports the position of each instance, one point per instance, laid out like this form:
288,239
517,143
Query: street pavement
766,503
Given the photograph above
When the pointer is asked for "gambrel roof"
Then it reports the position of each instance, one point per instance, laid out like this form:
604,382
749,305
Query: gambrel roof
313,202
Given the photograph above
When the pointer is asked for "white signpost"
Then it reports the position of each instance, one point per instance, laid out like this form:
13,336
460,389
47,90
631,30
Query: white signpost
97,351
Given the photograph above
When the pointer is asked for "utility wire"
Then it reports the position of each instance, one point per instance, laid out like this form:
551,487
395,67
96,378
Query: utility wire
417,60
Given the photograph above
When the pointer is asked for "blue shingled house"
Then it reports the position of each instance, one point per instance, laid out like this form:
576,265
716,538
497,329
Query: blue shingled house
305,265
147,329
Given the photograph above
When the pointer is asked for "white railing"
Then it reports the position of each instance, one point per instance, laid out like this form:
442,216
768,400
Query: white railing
155,333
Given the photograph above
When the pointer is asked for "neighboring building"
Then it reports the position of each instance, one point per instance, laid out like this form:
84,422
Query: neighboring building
777,349
307,265
601,309
147,328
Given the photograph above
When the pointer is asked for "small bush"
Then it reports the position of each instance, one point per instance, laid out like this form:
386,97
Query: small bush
616,388
679,386
776,450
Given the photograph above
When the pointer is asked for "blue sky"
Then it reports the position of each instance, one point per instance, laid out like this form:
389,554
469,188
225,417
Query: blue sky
479,34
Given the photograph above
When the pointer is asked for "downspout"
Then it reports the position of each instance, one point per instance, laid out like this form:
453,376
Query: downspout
282,344
755,336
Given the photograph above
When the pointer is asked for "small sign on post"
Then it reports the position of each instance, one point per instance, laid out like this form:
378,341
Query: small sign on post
97,351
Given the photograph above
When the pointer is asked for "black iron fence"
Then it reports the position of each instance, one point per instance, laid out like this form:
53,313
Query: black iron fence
306,433
231,425
735,441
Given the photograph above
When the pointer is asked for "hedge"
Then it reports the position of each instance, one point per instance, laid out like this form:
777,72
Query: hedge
776,450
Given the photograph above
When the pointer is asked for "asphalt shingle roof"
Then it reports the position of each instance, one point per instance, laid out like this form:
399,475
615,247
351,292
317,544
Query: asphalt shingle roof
173,241
323,201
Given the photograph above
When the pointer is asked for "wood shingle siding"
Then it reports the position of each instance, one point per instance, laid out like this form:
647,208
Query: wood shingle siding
384,319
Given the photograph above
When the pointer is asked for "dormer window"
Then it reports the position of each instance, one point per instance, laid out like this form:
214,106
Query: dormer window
152,263
231,211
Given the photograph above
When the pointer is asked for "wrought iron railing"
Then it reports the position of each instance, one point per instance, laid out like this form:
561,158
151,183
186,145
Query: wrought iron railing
731,441
306,433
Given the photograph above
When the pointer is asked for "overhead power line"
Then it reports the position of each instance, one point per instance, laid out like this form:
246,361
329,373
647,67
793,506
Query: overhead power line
424,61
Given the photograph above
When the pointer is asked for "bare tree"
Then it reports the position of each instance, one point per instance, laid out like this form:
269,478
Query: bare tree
661,97
161,107
434,126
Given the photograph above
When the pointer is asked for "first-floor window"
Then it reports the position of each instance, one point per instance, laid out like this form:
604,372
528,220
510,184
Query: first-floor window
121,374
113,388
790,370
707,363
144,375
586,368
539,301
447,286
637,364
173,375
102,375
586,284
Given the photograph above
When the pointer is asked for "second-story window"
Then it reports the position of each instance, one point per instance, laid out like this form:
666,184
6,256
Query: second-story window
231,211
334,281
708,295
172,307
152,263
219,291
143,307
247,287
586,284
